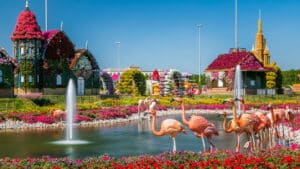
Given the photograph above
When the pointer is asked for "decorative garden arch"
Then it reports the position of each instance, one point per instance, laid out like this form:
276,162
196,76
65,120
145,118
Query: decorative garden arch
132,81
107,83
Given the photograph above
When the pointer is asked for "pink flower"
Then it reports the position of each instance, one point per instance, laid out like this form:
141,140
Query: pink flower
105,158
294,146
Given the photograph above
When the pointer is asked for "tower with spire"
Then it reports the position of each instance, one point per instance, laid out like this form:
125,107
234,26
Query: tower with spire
27,41
260,49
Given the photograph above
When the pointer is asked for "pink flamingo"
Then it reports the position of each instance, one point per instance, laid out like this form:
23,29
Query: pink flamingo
261,122
168,127
244,123
144,102
199,125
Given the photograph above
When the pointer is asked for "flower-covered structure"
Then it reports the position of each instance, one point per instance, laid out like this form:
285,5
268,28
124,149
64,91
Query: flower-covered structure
132,82
171,83
47,60
254,65
7,67
85,69
107,83
27,43
57,53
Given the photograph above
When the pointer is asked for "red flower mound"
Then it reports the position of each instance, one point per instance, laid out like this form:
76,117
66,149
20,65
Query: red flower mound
233,58
27,27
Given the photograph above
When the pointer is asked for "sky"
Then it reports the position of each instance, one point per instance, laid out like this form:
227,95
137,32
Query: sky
162,34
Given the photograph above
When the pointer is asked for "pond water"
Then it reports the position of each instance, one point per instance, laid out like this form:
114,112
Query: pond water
115,141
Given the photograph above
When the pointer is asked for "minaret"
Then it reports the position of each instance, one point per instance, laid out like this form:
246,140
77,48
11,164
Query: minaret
27,41
259,41
266,56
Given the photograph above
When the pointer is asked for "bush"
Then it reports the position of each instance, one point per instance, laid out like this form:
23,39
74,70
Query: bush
42,102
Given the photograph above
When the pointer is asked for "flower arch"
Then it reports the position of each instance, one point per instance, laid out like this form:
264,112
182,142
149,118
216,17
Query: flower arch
132,81
107,82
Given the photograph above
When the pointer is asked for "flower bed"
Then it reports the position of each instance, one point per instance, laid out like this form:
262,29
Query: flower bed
278,157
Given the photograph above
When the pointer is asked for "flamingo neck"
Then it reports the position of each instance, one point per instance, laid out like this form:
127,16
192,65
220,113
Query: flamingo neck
234,112
184,120
154,131
244,107
226,129
273,115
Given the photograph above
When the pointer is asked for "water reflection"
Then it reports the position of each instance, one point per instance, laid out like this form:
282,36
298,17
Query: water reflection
144,124
135,138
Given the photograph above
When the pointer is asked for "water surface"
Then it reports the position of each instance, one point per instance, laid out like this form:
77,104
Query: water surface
115,141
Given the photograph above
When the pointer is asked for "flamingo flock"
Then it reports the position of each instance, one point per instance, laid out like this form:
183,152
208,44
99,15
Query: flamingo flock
261,127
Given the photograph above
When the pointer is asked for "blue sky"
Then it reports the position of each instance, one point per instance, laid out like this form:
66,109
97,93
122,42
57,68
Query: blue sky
162,34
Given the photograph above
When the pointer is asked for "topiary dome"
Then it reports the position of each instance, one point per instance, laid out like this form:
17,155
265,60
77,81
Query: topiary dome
27,27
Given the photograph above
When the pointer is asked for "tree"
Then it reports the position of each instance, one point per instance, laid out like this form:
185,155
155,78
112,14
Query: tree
290,77
195,78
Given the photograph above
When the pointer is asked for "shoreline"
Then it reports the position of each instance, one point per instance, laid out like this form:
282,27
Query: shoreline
19,126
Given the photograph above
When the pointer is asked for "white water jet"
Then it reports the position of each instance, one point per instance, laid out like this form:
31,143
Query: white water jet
238,81
70,112
71,109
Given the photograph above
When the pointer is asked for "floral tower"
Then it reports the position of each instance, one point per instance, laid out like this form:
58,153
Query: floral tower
27,41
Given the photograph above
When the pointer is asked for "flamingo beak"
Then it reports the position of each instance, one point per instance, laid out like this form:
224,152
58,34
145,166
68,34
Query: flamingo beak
225,101
237,99
177,99
172,100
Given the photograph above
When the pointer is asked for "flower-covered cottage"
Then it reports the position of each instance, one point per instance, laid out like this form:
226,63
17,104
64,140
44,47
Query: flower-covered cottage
220,73
255,67
47,60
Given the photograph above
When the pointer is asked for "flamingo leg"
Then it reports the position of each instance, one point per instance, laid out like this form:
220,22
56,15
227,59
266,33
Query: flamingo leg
253,141
237,148
260,141
283,135
211,145
174,144
271,137
203,143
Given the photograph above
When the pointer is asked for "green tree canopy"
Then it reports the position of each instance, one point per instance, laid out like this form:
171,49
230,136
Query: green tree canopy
290,77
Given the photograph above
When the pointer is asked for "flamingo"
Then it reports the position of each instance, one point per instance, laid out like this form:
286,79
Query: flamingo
289,117
144,102
278,116
261,122
168,127
275,116
244,123
57,114
199,125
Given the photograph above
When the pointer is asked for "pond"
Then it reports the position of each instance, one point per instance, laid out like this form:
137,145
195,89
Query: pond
115,141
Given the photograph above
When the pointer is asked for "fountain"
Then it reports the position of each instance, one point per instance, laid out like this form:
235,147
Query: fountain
71,111
238,81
